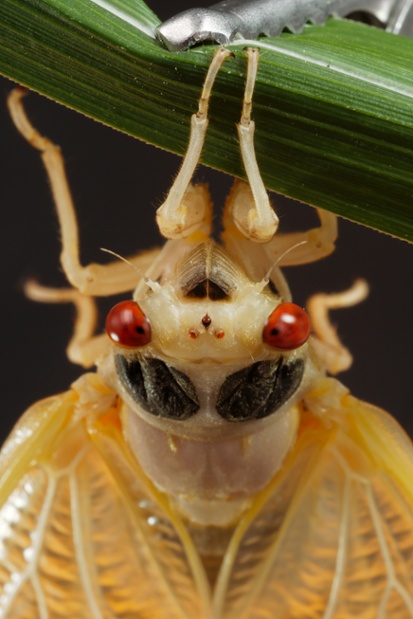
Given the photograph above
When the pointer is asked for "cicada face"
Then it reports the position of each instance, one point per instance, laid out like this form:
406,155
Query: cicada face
209,367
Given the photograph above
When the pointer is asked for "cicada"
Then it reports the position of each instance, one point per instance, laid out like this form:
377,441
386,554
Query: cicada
210,468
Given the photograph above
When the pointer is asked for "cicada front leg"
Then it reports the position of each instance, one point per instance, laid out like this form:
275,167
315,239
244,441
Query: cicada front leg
254,217
187,207
183,211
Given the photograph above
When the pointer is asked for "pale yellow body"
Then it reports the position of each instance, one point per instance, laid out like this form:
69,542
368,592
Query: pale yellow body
108,511
86,535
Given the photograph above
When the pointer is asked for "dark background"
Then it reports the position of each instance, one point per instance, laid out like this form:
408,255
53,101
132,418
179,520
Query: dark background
117,183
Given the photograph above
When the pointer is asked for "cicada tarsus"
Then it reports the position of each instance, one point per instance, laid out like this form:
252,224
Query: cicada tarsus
210,468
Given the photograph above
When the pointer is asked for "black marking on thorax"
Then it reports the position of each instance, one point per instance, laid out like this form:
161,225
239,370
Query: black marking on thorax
254,392
159,388
259,389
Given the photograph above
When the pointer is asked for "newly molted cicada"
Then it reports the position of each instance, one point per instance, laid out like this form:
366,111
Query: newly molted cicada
209,468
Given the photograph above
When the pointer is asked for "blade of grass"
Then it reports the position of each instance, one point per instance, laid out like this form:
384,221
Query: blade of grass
333,106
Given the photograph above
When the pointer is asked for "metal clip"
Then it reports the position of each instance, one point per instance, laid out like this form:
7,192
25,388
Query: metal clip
229,20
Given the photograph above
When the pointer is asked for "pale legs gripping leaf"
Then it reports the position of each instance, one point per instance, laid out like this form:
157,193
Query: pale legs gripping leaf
180,214
209,468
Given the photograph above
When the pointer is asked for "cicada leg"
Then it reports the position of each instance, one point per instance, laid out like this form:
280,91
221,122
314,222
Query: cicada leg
185,209
285,249
84,347
249,208
93,279
329,348
253,215
295,248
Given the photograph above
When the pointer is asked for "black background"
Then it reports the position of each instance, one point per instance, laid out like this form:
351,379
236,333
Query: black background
117,183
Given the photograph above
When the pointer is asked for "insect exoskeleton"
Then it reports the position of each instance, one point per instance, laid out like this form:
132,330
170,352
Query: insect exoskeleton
209,394
210,460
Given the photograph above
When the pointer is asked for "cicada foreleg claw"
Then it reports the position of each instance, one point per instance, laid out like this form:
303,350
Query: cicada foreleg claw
187,208
254,218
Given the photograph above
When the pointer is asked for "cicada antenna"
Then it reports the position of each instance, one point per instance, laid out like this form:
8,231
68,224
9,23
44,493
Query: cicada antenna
149,282
266,278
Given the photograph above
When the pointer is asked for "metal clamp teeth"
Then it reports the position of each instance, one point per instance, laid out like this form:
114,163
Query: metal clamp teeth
228,20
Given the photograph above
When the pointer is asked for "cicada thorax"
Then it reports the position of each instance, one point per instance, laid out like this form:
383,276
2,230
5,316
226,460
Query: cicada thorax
209,401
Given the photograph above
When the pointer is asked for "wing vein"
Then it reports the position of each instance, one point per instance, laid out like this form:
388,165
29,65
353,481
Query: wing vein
37,545
393,581
79,549
341,554
41,602
258,582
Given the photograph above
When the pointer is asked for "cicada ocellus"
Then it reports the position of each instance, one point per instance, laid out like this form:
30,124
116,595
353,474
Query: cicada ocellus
209,468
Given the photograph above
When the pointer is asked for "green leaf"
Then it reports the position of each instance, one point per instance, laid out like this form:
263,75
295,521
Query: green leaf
333,106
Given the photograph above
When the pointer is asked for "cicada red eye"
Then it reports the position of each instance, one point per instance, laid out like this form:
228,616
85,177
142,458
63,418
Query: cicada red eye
127,325
287,328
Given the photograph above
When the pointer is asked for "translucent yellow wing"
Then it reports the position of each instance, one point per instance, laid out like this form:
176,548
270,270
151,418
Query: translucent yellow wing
332,538
82,533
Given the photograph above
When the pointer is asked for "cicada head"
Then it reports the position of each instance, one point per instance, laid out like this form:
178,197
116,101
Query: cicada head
208,310
209,364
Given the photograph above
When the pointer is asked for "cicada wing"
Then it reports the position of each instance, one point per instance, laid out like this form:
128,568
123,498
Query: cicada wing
332,537
81,533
